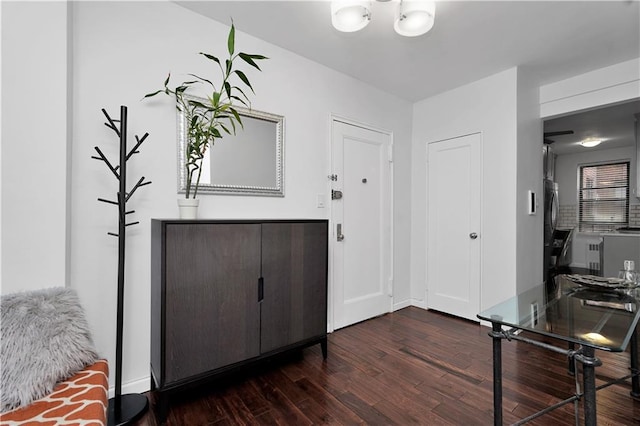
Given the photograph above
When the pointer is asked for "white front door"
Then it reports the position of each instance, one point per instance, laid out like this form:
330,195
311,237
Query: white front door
453,231
361,224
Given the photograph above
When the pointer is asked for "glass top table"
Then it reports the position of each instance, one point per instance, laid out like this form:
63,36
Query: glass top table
586,317
601,318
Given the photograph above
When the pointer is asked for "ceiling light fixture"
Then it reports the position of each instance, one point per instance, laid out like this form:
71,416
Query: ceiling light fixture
412,18
590,142
350,16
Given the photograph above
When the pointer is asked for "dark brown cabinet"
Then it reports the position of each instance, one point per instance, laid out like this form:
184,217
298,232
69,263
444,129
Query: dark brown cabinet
227,293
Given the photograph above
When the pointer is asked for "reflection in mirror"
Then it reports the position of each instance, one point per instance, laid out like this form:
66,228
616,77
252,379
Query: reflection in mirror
247,163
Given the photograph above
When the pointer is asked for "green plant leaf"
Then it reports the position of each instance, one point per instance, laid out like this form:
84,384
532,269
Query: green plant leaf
237,117
197,103
231,39
244,79
242,92
258,57
233,124
166,82
242,101
228,64
202,79
227,88
148,95
225,128
213,58
216,98
249,60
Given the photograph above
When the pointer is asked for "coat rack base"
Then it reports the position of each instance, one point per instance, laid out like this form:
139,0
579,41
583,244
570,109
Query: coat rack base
132,407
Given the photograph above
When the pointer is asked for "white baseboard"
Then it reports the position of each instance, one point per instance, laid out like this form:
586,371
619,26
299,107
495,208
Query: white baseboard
136,386
419,303
401,305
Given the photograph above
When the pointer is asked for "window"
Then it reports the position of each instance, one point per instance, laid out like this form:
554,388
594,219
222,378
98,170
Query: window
603,198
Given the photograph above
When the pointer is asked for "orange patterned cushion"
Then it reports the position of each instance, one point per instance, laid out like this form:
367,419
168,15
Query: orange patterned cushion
80,400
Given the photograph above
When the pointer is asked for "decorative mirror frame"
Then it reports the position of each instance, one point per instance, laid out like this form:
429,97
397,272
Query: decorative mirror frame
260,190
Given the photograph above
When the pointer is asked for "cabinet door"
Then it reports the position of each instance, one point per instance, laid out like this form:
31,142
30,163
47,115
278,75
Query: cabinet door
294,267
211,297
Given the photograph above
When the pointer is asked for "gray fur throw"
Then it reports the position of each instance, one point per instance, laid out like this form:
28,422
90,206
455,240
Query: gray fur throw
44,338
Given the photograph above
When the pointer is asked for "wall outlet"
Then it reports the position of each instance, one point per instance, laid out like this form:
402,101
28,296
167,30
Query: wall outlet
320,201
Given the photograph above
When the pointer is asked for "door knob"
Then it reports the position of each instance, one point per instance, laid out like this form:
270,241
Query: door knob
473,235
340,236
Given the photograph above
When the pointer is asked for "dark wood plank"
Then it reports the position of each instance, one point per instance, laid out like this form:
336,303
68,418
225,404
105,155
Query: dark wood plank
410,367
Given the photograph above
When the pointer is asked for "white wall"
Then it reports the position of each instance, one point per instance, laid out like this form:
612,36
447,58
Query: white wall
1,38
529,229
34,145
487,106
609,85
124,50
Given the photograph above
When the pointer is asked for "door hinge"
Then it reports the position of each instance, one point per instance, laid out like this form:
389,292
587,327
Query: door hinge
336,195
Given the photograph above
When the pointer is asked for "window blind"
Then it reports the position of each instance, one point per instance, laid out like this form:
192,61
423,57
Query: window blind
604,197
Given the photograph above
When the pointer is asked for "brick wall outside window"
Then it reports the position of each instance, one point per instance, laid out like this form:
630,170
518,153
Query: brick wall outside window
568,217
634,215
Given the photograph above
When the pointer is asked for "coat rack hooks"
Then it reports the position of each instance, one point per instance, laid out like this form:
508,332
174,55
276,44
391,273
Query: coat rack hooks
123,409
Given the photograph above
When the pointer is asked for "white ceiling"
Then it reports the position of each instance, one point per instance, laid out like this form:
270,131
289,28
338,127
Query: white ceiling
614,124
469,41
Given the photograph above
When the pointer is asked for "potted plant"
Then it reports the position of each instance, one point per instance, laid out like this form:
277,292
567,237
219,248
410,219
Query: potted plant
208,121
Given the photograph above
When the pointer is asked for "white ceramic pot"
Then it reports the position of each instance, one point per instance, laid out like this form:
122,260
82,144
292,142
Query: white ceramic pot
188,208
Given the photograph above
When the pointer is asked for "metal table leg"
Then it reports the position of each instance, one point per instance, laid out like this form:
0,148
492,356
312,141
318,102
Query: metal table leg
589,362
497,336
572,366
635,380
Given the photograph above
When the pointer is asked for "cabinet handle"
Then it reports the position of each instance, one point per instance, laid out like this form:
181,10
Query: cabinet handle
260,289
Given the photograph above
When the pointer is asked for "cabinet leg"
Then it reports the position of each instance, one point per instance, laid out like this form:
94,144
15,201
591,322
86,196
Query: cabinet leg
161,408
323,346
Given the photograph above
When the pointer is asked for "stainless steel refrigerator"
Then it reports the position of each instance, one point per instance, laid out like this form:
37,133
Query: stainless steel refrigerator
551,206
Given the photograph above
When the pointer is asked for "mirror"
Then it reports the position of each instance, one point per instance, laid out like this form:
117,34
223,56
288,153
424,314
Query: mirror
247,163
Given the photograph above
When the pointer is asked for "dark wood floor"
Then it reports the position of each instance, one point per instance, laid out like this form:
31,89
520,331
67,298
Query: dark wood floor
409,367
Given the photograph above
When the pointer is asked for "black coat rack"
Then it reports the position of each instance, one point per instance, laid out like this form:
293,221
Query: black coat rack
123,409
